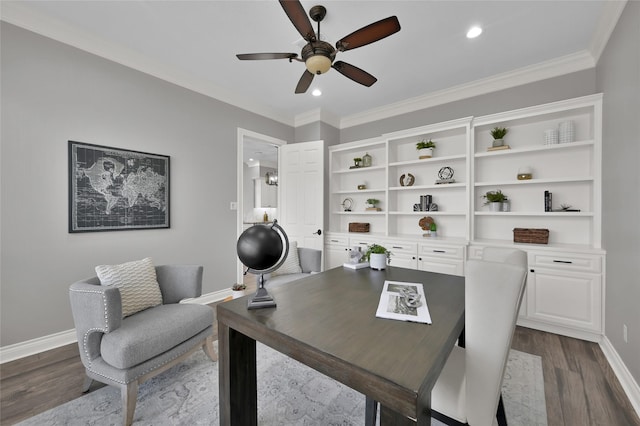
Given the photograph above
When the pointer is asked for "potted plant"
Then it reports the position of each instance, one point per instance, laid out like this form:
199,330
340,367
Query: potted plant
357,161
237,290
372,204
498,134
494,199
425,148
377,256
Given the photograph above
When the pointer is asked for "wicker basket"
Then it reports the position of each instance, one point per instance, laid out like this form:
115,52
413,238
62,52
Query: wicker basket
358,227
531,235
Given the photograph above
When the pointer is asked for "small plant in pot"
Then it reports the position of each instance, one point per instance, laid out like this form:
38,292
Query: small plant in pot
494,200
425,148
372,204
237,290
377,256
357,161
498,134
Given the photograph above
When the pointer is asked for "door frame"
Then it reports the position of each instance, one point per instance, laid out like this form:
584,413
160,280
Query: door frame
243,134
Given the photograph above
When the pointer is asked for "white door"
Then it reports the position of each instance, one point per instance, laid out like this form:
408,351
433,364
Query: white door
301,185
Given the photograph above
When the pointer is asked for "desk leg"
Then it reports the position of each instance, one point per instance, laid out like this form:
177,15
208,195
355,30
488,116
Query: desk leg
237,377
391,418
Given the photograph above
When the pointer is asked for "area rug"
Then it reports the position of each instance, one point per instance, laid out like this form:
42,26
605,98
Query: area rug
289,393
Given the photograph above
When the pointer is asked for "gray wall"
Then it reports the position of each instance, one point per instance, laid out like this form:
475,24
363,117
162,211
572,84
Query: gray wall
52,93
618,77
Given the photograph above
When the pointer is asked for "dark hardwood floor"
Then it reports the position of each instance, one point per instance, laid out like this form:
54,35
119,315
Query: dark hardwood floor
580,387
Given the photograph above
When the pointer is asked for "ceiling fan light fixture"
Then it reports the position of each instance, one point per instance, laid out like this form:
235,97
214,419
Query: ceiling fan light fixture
318,64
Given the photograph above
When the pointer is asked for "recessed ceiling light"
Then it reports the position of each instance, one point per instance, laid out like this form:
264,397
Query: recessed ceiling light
316,92
474,32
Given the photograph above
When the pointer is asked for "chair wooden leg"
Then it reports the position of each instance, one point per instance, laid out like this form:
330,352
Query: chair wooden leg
208,348
371,411
88,381
129,396
501,416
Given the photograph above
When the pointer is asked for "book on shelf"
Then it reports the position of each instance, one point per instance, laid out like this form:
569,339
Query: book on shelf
403,301
548,201
498,148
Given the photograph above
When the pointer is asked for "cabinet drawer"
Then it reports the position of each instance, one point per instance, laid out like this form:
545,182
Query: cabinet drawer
566,261
336,240
363,242
441,251
401,247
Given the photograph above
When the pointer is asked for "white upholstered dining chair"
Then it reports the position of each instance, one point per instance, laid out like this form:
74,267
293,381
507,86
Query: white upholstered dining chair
468,390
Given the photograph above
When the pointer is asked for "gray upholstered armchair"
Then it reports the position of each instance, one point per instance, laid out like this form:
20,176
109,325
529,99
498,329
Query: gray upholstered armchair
125,352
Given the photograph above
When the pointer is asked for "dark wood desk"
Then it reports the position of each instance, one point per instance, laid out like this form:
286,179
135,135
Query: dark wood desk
327,321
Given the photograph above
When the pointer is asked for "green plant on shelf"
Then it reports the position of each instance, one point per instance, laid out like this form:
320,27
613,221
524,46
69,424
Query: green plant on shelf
494,197
423,144
499,132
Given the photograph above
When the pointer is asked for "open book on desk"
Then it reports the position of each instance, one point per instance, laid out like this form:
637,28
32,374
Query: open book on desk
403,301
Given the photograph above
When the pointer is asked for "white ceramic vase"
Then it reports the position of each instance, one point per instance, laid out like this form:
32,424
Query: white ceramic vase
237,293
425,153
495,207
378,261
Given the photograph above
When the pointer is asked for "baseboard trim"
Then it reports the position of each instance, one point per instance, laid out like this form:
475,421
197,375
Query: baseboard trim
52,341
629,385
589,336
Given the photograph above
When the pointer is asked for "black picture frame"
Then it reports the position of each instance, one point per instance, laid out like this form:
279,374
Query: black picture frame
115,189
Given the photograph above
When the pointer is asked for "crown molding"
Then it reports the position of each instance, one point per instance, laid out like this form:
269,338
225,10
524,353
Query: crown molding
28,19
606,25
564,65
315,115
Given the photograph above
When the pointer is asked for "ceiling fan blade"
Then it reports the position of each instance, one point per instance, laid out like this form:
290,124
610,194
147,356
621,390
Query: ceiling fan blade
299,19
261,56
369,34
305,82
354,73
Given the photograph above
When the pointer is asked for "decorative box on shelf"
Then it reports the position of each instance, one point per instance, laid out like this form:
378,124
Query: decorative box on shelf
358,227
530,235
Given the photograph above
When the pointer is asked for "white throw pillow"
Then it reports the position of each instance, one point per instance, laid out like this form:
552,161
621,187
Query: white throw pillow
291,264
139,288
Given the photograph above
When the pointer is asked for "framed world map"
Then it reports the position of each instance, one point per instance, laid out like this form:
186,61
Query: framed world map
112,189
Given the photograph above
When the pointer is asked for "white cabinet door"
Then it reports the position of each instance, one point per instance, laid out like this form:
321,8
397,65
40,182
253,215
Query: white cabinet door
404,261
301,185
566,298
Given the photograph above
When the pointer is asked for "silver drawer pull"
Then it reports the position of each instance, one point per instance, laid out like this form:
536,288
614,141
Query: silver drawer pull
397,247
335,241
562,261
439,251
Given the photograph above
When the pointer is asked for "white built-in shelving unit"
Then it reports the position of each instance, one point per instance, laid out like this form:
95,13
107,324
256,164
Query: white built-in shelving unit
566,279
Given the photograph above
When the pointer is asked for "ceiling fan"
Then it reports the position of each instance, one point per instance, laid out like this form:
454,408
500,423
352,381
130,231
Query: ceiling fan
319,55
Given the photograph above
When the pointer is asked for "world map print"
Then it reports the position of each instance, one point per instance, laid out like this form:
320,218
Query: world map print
117,189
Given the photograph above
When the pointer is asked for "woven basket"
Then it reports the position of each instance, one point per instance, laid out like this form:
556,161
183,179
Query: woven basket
531,235
358,227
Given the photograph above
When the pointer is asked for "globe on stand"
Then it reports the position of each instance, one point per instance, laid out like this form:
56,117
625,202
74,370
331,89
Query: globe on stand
262,249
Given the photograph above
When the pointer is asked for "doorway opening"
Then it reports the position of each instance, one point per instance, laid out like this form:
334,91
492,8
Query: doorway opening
258,190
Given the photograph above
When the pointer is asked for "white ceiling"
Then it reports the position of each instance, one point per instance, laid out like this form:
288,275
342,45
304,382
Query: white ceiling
193,43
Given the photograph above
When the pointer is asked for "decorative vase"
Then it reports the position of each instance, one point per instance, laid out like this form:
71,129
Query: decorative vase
425,153
366,160
498,142
495,207
378,261
506,206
